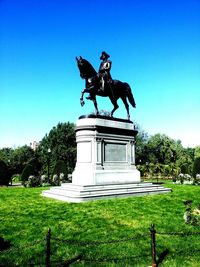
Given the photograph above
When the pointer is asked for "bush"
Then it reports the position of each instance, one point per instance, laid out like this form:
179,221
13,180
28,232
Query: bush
4,173
33,181
60,169
197,179
27,171
16,178
196,166
191,216
185,179
44,180
180,178
56,179
63,178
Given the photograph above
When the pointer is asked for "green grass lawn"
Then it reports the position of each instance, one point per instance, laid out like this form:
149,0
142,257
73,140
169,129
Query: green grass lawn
25,217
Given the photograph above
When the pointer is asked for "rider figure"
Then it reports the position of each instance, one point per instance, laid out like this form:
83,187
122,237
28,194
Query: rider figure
104,76
104,71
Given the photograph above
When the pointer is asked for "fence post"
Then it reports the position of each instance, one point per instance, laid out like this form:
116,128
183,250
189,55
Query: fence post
48,248
153,245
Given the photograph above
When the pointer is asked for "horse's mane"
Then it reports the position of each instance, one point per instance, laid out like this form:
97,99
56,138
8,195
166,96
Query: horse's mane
89,67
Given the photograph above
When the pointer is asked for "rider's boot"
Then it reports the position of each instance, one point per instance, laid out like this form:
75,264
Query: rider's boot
102,88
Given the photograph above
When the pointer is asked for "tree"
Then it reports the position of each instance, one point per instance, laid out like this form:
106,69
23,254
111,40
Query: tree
5,154
62,143
185,160
17,159
27,171
163,155
197,152
4,173
60,167
162,149
141,141
20,157
196,167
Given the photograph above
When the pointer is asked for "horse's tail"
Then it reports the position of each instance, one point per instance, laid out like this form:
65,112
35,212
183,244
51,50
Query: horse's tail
130,95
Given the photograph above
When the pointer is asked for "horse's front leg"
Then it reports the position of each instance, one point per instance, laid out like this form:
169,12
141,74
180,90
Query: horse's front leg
81,98
95,105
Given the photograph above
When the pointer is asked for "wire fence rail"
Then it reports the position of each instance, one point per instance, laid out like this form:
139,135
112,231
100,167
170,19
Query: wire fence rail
49,241
97,243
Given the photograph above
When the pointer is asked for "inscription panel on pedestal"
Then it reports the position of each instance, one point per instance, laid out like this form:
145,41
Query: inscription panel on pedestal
115,152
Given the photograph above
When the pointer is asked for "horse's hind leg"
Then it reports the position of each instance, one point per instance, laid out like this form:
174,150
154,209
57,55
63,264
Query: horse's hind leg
126,106
114,102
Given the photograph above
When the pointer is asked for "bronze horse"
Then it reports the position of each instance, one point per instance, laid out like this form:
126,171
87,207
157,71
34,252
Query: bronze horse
114,91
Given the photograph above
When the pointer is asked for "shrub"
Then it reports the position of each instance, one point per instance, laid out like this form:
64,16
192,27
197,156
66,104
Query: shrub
16,178
188,211
27,171
191,216
56,180
44,178
4,173
187,179
33,181
184,179
62,177
196,166
60,168
197,179
180,178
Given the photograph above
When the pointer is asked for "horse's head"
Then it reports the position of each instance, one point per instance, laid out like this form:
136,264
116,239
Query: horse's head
81,66
80,61
85,68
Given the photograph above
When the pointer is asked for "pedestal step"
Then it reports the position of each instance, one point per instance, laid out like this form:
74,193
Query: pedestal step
79,193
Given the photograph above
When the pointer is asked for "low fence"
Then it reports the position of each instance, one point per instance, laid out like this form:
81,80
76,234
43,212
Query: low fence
44,256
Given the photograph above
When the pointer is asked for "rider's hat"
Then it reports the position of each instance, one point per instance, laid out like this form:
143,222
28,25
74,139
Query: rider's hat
104,54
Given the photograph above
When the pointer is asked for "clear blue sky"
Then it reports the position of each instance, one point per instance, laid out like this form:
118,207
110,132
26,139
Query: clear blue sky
154,46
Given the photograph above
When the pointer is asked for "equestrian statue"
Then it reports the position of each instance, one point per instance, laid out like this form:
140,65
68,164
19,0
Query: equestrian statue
102,84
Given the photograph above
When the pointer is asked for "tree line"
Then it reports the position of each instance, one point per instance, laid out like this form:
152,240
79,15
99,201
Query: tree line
160,155
56,153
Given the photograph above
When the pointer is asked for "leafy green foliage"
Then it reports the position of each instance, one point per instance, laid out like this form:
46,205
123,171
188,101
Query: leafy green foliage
141,142
155,155
62,144
33,181
4,173
191,215
60,168
21,157
196,167
160,154
197,152
18,158
16,178
162,149
61,141
27,171
5,154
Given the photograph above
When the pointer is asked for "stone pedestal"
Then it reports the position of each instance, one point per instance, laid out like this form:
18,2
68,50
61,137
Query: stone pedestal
105,152
105,166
